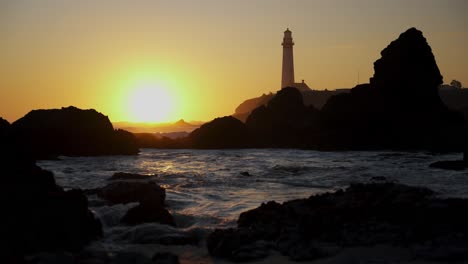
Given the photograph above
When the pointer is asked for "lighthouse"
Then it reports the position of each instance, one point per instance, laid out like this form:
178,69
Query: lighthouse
287,78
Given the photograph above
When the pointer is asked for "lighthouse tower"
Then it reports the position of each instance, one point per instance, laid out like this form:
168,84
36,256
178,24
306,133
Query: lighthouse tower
288,62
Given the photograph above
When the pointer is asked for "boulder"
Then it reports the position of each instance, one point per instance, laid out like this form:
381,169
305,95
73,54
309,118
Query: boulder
147,214
71,132
361,215
146,193
224,132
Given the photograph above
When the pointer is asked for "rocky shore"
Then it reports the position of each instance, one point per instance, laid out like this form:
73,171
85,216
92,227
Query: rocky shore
321,226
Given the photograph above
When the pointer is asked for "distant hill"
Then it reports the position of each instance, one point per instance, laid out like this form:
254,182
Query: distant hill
162,128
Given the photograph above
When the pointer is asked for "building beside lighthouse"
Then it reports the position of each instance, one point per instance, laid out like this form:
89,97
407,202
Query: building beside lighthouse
287,77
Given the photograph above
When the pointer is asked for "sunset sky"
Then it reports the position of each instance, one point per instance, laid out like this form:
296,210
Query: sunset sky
165,60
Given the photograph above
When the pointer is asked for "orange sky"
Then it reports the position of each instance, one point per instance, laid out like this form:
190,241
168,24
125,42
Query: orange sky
202,57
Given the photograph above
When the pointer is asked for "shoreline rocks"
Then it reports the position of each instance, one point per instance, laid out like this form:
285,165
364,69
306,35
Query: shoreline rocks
361,215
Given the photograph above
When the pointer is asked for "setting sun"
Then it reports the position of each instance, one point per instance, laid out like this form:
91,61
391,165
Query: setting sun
151,103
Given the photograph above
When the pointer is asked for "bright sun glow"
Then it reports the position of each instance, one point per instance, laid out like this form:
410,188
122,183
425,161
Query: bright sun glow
151,103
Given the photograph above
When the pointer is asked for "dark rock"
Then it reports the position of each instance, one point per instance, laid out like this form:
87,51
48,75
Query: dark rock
38,215
165,258
245,173
71,132
224,132
362,215
130,176
399,109
4,126
450,165
147,193
147,214
284,122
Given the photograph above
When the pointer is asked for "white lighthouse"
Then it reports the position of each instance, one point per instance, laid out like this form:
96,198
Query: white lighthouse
287,78
288,60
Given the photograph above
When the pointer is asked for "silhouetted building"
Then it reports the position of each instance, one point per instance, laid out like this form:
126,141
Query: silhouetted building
287,78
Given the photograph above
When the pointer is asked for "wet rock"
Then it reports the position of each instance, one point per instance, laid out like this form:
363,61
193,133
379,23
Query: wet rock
147,214
165,258
361,215
130,176
147,193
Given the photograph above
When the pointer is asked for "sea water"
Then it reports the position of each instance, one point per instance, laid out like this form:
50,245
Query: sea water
208,189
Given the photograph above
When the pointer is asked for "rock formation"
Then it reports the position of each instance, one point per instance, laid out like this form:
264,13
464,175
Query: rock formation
284,122
72,132
39,215
224,132
400,108
361,215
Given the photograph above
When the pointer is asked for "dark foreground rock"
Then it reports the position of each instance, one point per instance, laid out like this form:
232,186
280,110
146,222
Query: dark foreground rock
38,215
361,215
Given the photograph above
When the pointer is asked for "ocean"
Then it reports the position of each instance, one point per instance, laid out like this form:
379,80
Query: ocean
208,189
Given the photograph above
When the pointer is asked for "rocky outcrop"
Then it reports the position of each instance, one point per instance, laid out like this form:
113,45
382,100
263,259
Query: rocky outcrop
148,193
37,214
361,215
284,122
71,132
400,108
223,132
